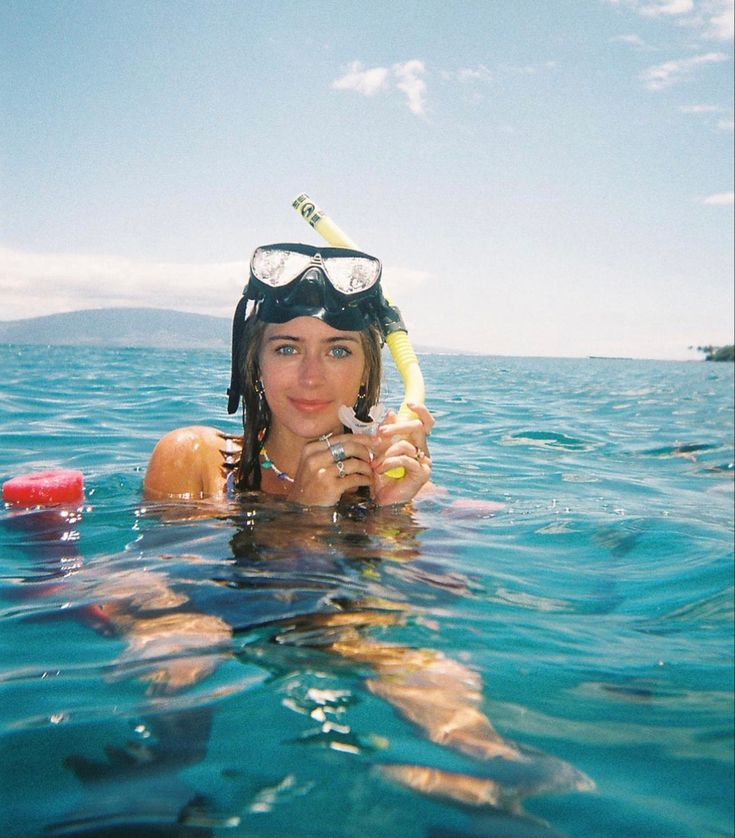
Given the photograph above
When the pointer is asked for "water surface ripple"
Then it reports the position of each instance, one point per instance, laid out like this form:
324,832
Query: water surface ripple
579,563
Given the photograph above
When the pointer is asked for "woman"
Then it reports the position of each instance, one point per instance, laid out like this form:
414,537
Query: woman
307,335
309,344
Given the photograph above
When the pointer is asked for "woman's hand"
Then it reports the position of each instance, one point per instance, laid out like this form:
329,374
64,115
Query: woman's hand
401,443
329,467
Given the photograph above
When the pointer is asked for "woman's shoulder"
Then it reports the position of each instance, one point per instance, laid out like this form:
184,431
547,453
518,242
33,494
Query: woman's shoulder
192,435
190,462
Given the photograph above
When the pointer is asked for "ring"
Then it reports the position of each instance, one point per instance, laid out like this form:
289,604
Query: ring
419,455
325,439
338,452
341,469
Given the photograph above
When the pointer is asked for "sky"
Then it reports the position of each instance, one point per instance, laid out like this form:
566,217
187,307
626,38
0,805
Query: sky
547,178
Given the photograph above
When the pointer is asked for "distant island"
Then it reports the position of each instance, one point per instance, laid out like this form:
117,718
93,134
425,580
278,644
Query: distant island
151,328
121,327
717,353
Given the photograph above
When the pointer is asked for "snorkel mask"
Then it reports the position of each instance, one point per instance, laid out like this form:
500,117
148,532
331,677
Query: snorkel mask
338,285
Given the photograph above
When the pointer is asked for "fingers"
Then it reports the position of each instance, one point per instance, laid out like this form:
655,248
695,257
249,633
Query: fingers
401,443
427,420
336,463
414,429
339,448
415,464
329,467
421,418
404,453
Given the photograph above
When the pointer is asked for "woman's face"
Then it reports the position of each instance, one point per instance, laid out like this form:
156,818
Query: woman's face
308,370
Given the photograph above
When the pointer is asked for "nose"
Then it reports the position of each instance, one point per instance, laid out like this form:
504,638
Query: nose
311,370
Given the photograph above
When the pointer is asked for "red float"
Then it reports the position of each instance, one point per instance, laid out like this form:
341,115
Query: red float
45,488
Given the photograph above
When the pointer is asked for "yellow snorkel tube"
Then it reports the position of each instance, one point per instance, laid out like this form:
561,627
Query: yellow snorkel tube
398,342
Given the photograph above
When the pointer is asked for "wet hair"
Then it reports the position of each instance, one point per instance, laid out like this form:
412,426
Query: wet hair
256,413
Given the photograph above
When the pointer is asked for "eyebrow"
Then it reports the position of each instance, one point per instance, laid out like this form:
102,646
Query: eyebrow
296,339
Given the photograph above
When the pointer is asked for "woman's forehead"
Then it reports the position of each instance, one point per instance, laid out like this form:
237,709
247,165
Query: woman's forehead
305,328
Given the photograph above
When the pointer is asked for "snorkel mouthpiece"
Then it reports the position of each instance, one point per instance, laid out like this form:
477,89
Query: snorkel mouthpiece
349,419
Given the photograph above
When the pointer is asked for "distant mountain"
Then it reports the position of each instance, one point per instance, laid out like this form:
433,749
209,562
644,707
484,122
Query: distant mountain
134,327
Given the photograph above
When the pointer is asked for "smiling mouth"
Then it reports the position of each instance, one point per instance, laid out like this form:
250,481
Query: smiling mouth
310,405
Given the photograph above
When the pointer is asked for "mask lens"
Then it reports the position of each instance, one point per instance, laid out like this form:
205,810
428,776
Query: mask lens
352,274
278,267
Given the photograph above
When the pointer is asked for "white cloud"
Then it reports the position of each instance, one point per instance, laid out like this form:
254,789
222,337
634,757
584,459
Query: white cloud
712,19
481,73
720,20
527,69
406,76
410,81
631,39
723,124
720,199
468,75
33,284
670,73
667,8
368,82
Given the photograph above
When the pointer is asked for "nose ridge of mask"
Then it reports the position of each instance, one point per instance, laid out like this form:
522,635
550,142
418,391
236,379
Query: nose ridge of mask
311,288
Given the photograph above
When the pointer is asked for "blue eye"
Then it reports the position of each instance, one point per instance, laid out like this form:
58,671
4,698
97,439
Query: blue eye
340,352
286,349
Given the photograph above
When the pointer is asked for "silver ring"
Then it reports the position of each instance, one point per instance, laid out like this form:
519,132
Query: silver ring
341,469
338,452
325,439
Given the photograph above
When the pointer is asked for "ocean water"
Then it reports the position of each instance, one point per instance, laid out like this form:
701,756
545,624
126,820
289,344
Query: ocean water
580,563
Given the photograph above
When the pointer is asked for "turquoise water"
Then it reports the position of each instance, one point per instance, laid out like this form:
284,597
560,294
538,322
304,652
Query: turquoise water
592,594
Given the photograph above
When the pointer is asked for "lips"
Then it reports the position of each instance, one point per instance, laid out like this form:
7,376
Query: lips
310,405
